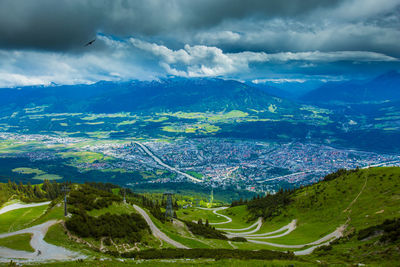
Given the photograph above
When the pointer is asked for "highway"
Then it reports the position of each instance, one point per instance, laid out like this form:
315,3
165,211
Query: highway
160,162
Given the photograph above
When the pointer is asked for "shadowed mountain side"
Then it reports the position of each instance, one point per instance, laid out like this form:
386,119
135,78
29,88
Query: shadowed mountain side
382,88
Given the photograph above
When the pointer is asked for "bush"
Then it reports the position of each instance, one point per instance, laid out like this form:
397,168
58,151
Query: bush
205,231
88,198
129,227
390,230
238,239
270,205
175,253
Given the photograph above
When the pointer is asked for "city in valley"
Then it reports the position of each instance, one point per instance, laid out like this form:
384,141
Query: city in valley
243,164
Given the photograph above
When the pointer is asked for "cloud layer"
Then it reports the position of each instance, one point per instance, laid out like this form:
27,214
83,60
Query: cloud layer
42,41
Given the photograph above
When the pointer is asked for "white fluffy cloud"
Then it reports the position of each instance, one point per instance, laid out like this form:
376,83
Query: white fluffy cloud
201,60
29,67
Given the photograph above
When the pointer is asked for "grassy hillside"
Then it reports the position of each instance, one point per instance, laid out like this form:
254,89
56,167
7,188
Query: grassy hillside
21,218
17,242
364,203
357,199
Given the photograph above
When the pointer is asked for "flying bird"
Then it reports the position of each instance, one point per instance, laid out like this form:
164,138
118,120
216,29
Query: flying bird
90,43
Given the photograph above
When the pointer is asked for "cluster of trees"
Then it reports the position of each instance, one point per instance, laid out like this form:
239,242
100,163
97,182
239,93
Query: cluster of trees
239,202
270,205
87,197
102,186
205,230
389,230
197,253
238,239
126,228
30,193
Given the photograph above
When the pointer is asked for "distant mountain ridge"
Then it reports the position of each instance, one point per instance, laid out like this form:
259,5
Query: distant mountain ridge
382,88
176,94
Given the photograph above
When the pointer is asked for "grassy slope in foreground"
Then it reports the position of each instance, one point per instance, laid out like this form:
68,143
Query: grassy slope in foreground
361,199
21,218
324,206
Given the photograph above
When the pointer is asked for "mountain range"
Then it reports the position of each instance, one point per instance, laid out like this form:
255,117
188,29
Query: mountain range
385,87
140,96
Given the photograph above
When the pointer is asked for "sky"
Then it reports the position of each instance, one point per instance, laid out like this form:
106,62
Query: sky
43,41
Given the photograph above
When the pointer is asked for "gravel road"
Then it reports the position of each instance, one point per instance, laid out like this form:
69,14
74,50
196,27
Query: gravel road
157,232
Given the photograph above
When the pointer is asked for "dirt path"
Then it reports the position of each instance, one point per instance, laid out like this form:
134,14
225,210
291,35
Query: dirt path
43,250
157,232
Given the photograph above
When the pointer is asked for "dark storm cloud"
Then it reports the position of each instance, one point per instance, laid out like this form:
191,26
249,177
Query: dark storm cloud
42,41
65,24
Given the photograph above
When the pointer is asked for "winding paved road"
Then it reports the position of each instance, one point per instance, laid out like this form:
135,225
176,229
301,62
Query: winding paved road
289,228
47,251
159,161
228,219
157,232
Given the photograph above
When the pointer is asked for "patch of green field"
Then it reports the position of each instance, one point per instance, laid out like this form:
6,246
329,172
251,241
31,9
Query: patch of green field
25,170
191,128
239,215
92,117
272,108
194,214
209,116
17,242
57,119
178,233
19,219
84,156
195,174
94,123
56,235
147,175
160,119
39,174
116,191
36,109
101,134
116,170
126,123
54,213
47,177
15,146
